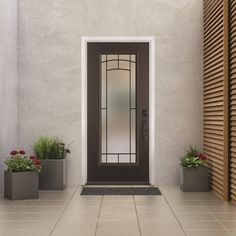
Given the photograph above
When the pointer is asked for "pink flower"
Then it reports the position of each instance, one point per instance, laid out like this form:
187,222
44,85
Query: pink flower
202,157
37,162
22,152
32,157
13,153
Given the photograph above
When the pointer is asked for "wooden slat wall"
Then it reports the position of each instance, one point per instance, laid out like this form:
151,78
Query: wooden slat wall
232,80
216,93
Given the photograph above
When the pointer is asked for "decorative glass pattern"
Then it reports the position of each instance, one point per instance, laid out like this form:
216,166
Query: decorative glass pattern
118,108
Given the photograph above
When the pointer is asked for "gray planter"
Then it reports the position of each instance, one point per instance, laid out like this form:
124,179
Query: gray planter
53,174
194,179
21,185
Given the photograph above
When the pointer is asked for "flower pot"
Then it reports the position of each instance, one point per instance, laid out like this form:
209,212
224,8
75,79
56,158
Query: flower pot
53,174
21,185
194,179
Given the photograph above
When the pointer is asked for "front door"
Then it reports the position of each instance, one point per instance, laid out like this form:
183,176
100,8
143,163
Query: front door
118,111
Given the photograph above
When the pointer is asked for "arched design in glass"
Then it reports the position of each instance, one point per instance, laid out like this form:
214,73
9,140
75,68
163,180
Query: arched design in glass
118,108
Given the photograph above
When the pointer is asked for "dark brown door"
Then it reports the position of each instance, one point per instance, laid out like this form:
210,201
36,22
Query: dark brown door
117,115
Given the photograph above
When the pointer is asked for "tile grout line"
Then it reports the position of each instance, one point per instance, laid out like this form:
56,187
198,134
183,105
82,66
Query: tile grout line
217,220
27,210
137,216
63,210
175,215
100,209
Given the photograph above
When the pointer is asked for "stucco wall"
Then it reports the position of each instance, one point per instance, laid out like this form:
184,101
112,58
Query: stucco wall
49,70
8,80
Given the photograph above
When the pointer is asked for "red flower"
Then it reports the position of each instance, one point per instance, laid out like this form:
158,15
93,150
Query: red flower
13,153
202,156
22,152
37,162
32,157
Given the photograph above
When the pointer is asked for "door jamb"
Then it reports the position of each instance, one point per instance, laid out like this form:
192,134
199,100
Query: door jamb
83,141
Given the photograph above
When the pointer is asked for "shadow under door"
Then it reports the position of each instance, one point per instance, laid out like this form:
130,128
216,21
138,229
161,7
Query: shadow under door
117,113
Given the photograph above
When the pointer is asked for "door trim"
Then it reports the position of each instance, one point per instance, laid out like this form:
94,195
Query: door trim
83,141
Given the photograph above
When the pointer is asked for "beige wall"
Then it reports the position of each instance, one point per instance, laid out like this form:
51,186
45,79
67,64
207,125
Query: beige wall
49,70
8,80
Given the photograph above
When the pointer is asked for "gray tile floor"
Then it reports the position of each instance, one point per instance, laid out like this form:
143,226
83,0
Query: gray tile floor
66,213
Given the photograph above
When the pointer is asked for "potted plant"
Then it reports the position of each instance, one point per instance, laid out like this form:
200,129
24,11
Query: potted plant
21,176
52,152
193,171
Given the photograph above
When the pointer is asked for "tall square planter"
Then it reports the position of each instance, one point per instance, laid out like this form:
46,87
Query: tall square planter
21,185
53,174
194,179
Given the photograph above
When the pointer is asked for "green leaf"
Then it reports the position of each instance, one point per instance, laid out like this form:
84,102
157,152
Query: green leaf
49,148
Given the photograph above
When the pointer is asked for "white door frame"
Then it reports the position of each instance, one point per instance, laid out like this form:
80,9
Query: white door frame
151,41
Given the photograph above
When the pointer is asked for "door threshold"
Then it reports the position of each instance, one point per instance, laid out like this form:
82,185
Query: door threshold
143,183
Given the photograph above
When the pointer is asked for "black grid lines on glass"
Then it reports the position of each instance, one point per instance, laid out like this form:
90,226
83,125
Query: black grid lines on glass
118,109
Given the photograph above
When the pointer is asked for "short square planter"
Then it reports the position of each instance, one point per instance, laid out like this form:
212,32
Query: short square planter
21,185
194,179
53,174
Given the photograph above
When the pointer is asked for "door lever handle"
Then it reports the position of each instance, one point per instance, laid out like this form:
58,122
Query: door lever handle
145,125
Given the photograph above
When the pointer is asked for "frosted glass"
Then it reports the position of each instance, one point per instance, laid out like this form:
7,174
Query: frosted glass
112,158
103,83
124,57
103,58
103,128
118,111
124,65
112,57
112,65
133,85
133,58
133,131
133,158
104,159
124,158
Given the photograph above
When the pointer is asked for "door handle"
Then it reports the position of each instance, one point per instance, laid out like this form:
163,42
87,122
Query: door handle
145,125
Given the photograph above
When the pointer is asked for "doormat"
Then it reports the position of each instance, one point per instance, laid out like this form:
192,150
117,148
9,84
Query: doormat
120,191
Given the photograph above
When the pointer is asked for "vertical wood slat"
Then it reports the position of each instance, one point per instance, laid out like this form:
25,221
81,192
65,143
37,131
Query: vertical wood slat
216,98
226,100
232,100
